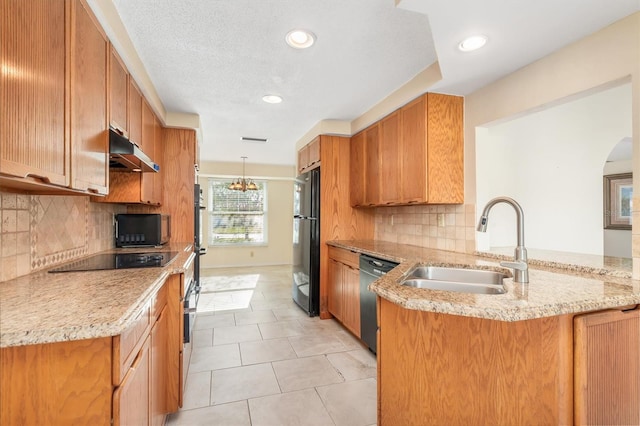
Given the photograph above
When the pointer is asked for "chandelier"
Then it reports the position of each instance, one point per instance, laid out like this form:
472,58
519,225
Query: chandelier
242,184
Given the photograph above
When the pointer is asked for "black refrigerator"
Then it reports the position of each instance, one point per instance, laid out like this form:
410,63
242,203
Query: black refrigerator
306,242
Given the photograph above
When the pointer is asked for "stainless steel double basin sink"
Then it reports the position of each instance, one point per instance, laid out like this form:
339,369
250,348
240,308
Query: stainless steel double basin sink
477,281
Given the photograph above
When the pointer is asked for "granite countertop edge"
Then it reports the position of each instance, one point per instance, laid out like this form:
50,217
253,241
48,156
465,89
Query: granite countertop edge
522,302
80,328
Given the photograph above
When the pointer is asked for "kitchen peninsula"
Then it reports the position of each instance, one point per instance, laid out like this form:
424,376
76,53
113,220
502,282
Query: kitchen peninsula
99,347
563,349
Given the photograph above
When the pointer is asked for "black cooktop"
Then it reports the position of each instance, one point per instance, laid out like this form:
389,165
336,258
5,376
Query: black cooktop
100,262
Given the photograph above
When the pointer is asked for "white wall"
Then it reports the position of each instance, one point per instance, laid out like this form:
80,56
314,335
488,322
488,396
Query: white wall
607,56
552,162
279,248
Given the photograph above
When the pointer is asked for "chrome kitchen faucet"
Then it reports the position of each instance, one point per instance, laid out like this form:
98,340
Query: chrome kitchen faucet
519,264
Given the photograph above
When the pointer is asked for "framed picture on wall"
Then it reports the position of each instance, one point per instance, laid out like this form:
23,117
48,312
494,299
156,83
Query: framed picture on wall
618,198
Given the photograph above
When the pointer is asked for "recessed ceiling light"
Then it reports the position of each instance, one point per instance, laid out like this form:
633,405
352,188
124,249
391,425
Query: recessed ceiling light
272,99
300,39
472,43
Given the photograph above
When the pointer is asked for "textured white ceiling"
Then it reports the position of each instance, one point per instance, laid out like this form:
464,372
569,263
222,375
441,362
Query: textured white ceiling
519,32
217,58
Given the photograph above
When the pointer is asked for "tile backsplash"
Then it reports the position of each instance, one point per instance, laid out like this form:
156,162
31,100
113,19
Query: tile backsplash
39,231
445,227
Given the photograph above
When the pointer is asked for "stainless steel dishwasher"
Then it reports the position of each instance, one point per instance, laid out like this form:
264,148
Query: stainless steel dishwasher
371,269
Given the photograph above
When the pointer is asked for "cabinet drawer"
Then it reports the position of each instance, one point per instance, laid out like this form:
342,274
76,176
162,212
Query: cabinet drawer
347,257
127,344
131,398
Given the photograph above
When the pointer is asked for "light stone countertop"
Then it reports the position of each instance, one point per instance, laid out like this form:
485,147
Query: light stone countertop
551,291
44,308
576,262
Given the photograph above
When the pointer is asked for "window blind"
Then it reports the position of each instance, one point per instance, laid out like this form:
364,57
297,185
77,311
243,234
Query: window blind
236,217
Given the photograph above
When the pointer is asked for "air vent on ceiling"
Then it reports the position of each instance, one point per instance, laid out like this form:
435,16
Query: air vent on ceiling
247,139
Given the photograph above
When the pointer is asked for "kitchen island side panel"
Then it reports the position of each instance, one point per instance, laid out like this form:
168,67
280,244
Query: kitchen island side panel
447,369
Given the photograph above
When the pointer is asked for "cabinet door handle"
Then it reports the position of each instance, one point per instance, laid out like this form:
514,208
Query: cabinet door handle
44,179
162,312
114,126
137,360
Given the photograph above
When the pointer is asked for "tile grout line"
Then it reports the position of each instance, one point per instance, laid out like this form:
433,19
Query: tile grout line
211,388
335,368
315,388
299,324
249,412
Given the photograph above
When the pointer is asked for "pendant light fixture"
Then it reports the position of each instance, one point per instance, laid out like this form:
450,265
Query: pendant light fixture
242,184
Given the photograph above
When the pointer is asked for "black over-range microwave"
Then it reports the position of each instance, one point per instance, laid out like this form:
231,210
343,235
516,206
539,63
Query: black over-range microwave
142,229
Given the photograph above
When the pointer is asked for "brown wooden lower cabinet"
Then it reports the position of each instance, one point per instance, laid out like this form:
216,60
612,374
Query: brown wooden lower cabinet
351,291
130,379
344,288
335,292
131,398
160,372
607,368
56,384
436,369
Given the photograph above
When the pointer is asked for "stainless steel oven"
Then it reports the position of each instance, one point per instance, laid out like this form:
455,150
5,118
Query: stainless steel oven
190,305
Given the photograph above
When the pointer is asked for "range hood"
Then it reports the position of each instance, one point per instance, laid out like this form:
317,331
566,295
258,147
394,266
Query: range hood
126,156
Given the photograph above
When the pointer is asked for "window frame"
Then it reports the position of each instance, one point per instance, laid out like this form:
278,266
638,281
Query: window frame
211,214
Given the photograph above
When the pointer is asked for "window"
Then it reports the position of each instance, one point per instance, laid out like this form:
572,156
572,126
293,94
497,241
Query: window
237,218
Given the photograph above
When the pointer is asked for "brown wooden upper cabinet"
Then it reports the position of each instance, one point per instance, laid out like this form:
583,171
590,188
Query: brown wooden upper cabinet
140,188
159,159
89,82
433,150
358,171
54,136
118,93
151,191
132,115
309,156
135,113
149,145
412,156
389,159
365,167
33,42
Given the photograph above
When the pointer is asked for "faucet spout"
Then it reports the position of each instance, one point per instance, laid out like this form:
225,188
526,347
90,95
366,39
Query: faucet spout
519,265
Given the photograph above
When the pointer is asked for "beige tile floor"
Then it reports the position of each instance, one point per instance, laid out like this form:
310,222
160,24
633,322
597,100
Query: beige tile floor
258,359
